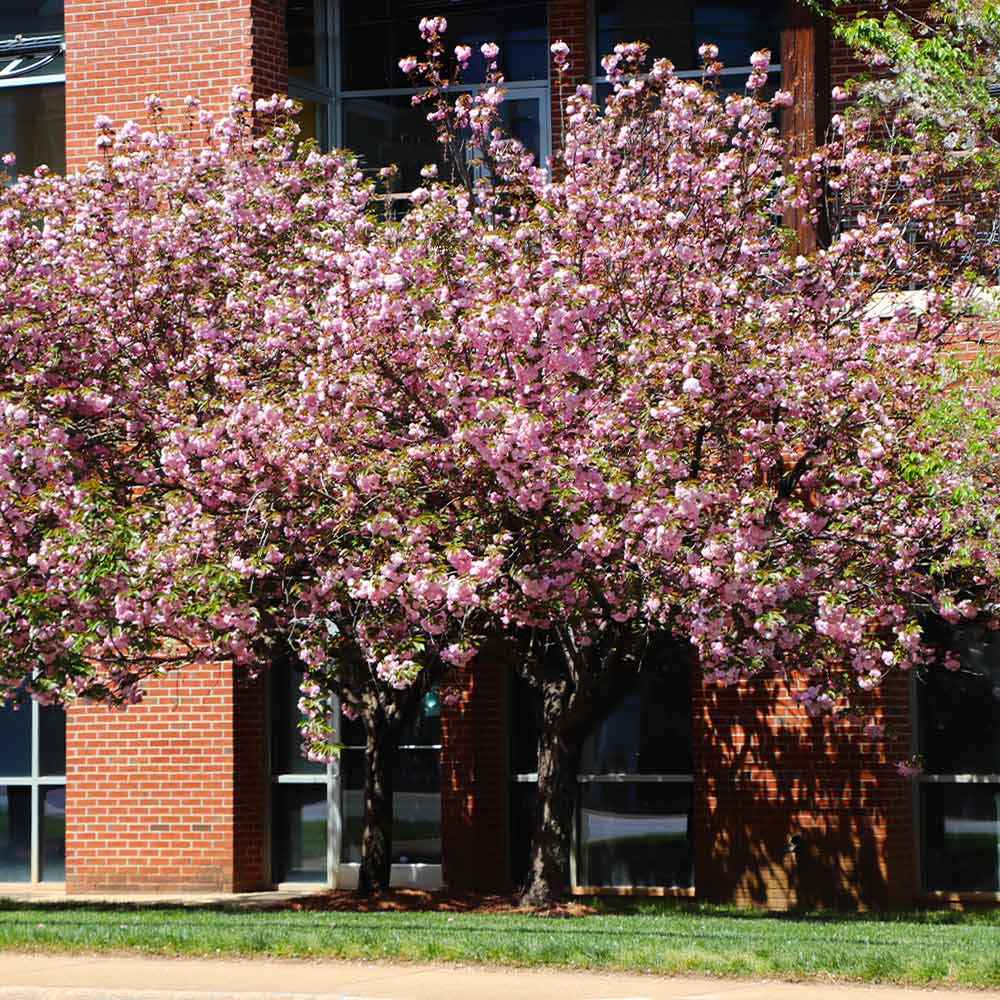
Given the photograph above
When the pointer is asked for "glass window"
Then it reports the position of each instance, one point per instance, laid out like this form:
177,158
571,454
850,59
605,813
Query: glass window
381,33
647,732
286,741
15,741
959,737
306,40
53,834
304,792
32,738
635,783
635,834
30,17
961,832
299,833
675,30
416,813
15,834
960,720
33,126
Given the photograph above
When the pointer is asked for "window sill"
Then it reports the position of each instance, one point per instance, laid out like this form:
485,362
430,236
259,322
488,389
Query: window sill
667,891
946,896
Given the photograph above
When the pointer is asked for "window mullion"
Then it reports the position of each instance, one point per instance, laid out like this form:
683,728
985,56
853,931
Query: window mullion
334,797
36,833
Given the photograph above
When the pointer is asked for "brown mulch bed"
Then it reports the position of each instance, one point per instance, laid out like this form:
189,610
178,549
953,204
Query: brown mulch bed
422,901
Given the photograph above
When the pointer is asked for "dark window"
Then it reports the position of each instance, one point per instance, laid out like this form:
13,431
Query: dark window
31,17
959,736
53,833
286,740
960,717
380,33
961,827
15,833
675,30
15,741
299,833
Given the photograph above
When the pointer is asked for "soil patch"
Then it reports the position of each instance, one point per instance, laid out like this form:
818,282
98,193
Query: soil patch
422,901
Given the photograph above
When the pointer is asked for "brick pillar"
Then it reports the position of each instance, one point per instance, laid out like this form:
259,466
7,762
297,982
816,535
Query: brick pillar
251,784
149,789
765,773
474,794
568,22
118,52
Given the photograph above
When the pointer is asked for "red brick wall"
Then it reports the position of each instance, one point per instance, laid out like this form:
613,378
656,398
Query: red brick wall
765,772
149,790
474,781
118,52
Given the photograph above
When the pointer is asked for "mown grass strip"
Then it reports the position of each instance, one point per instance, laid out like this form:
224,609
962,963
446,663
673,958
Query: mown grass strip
914,948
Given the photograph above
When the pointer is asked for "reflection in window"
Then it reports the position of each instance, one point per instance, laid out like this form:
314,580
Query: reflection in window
961,824
299,833
635,783
959,728
635,834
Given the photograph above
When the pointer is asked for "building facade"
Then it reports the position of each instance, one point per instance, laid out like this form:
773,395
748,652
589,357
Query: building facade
683,789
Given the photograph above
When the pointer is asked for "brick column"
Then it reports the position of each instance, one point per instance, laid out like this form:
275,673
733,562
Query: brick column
118,52
474,776
170,794
766,773
568,22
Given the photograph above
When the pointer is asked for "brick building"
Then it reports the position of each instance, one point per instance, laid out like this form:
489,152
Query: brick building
685,790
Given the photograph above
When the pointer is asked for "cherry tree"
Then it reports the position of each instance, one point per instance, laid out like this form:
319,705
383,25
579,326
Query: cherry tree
243,410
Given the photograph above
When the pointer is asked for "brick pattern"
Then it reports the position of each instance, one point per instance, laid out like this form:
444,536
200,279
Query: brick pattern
149,789
568,21
765,773
118,52
251,784
474,781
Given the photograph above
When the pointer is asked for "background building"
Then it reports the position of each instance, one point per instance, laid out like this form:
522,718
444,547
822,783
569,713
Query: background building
686,790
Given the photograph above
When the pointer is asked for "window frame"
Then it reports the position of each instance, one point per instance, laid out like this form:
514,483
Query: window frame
329,96
342,874
919,805
37,782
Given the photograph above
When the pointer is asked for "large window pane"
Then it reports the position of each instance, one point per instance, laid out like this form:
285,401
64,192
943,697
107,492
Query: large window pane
676,29
299,833
30,17
51,741
960,711
52,802
15,834
33,126
15,741
649,729
416,821
305,41
636,834
286,741
961,826
380,33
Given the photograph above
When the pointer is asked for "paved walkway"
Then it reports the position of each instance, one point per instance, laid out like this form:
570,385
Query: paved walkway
67,977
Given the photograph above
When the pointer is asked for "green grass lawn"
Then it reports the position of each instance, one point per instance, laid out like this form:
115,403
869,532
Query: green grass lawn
645,936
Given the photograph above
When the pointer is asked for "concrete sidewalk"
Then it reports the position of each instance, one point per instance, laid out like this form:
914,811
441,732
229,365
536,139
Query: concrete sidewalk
69,977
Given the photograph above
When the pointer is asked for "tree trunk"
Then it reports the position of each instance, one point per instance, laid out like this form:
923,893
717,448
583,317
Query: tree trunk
558,761
376,834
